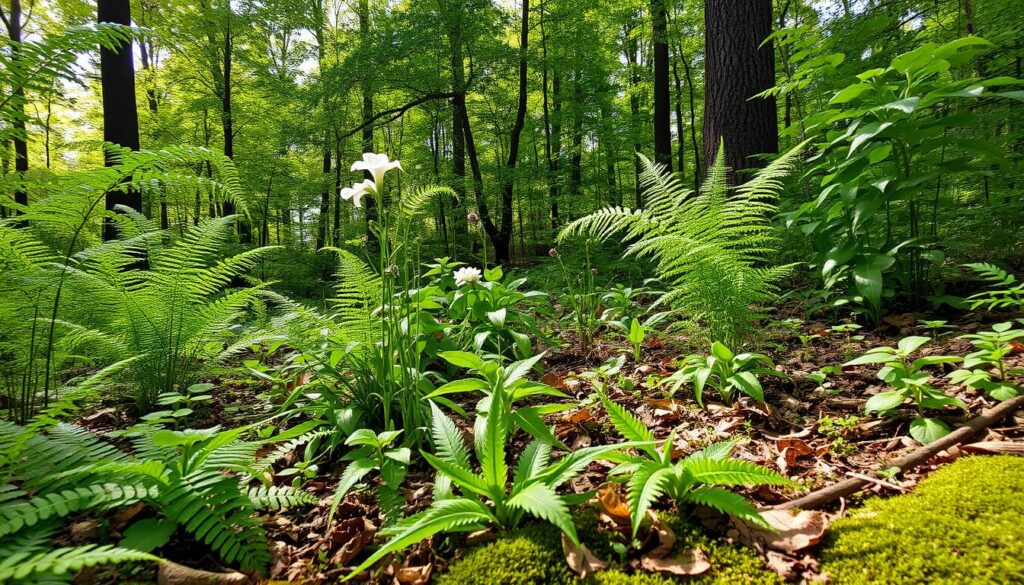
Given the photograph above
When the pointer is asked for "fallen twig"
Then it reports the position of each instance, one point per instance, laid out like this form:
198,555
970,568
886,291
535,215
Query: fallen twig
848,487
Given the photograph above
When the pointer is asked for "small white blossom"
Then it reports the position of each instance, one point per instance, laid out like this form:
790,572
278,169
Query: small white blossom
467,275
357,190
377,165
325,332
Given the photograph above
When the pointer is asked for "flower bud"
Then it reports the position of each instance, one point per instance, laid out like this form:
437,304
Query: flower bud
553,252
472,217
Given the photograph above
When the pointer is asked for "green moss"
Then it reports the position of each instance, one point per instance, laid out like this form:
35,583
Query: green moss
533,554
963,524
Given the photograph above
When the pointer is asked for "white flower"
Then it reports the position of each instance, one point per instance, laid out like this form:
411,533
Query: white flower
467,275
357,190
377,165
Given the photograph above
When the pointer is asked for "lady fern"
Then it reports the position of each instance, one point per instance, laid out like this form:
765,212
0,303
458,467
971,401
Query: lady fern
710,248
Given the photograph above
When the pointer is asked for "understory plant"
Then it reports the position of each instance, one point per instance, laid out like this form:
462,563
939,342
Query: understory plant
582,296
710,249
197,481
910,381
695,479
724,371
374,452
991,350
487,498
1004,292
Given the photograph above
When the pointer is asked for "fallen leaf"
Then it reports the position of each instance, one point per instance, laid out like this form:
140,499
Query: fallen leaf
1016,347
414,575
579,417
610,501
554,380
174,574
789,451
688,562
580,559
122,518
353,534
794,531
666,538
901,320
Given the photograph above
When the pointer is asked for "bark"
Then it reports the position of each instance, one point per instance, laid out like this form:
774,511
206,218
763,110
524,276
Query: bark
120,112
367,110
552,125
737,68
632,50
453,15
20,139
680,130
693,122
662,107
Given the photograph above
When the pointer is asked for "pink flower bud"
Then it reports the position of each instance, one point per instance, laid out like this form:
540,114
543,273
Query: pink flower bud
471,217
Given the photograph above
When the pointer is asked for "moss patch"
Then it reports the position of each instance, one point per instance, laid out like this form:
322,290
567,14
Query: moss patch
963,524
533,554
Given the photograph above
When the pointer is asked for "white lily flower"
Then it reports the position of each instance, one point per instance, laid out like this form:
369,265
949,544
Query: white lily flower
357,190
377,165
467,275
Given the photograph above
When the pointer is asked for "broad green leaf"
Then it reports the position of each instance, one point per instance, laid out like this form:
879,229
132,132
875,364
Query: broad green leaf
727,502
462,476
748,383
542,502
909,345
884,402
458,386
462,359
926,430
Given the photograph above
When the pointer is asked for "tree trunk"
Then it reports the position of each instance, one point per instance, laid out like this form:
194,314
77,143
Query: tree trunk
367,111
120,112
502,237
552,125
662,107
452,14
693,121
20,138
737,68
632,50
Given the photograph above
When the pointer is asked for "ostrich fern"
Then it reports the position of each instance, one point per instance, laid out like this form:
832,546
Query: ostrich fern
710,248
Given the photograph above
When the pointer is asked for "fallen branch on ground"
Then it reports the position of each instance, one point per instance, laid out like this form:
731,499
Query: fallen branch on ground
848,487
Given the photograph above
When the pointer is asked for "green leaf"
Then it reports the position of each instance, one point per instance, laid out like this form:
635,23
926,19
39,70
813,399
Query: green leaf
727,502
628,425
462,359
731,472
926,430
462,476
521,368
646,485
720,351
542,502
148,535
448,442
909,345
884,402
362,437
748,383
533,460
868,281
459,386
355,471
849,93
443,515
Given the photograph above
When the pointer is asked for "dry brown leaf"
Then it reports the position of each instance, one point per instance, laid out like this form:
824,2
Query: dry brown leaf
414,575
580,559
901,320
795,531
579,417
688,562
353,534
789,451
611,503
122,518
666,537
174,574
554,380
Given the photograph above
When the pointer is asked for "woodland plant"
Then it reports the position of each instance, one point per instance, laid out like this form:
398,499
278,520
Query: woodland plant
992,348
709,249
910,381
1005,292
725,371
374,452
582,296
694,479
486,497
197,481
873,224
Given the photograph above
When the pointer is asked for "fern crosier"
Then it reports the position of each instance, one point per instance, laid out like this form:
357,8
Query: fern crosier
710,248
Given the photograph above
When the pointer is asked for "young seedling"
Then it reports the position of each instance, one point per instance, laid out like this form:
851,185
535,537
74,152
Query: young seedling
182,405
935,326
992,348
637,332
909,382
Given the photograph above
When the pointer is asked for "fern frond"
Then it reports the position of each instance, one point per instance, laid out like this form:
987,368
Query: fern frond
731,472
278,497
62,561
727,502
18,515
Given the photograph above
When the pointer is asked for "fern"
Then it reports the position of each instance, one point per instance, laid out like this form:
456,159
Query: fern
61,561
1004,292
711,248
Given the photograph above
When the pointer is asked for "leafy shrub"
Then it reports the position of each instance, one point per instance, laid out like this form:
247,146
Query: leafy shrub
182,475
710,249
991,349
910,382
964,528
1005,292
725,371
692,479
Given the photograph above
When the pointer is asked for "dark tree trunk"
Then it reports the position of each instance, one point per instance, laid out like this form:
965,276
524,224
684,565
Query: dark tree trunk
680,130
120,112
453,18
662,101
552,126
336,236
14,32
737,68
325,199
632,50
502,236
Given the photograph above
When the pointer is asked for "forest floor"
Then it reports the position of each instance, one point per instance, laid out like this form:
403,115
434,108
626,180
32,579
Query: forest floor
816,434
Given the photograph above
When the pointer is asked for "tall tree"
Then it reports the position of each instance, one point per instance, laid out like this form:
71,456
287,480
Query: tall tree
14,23
737,67
120,112
662,105
367,91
